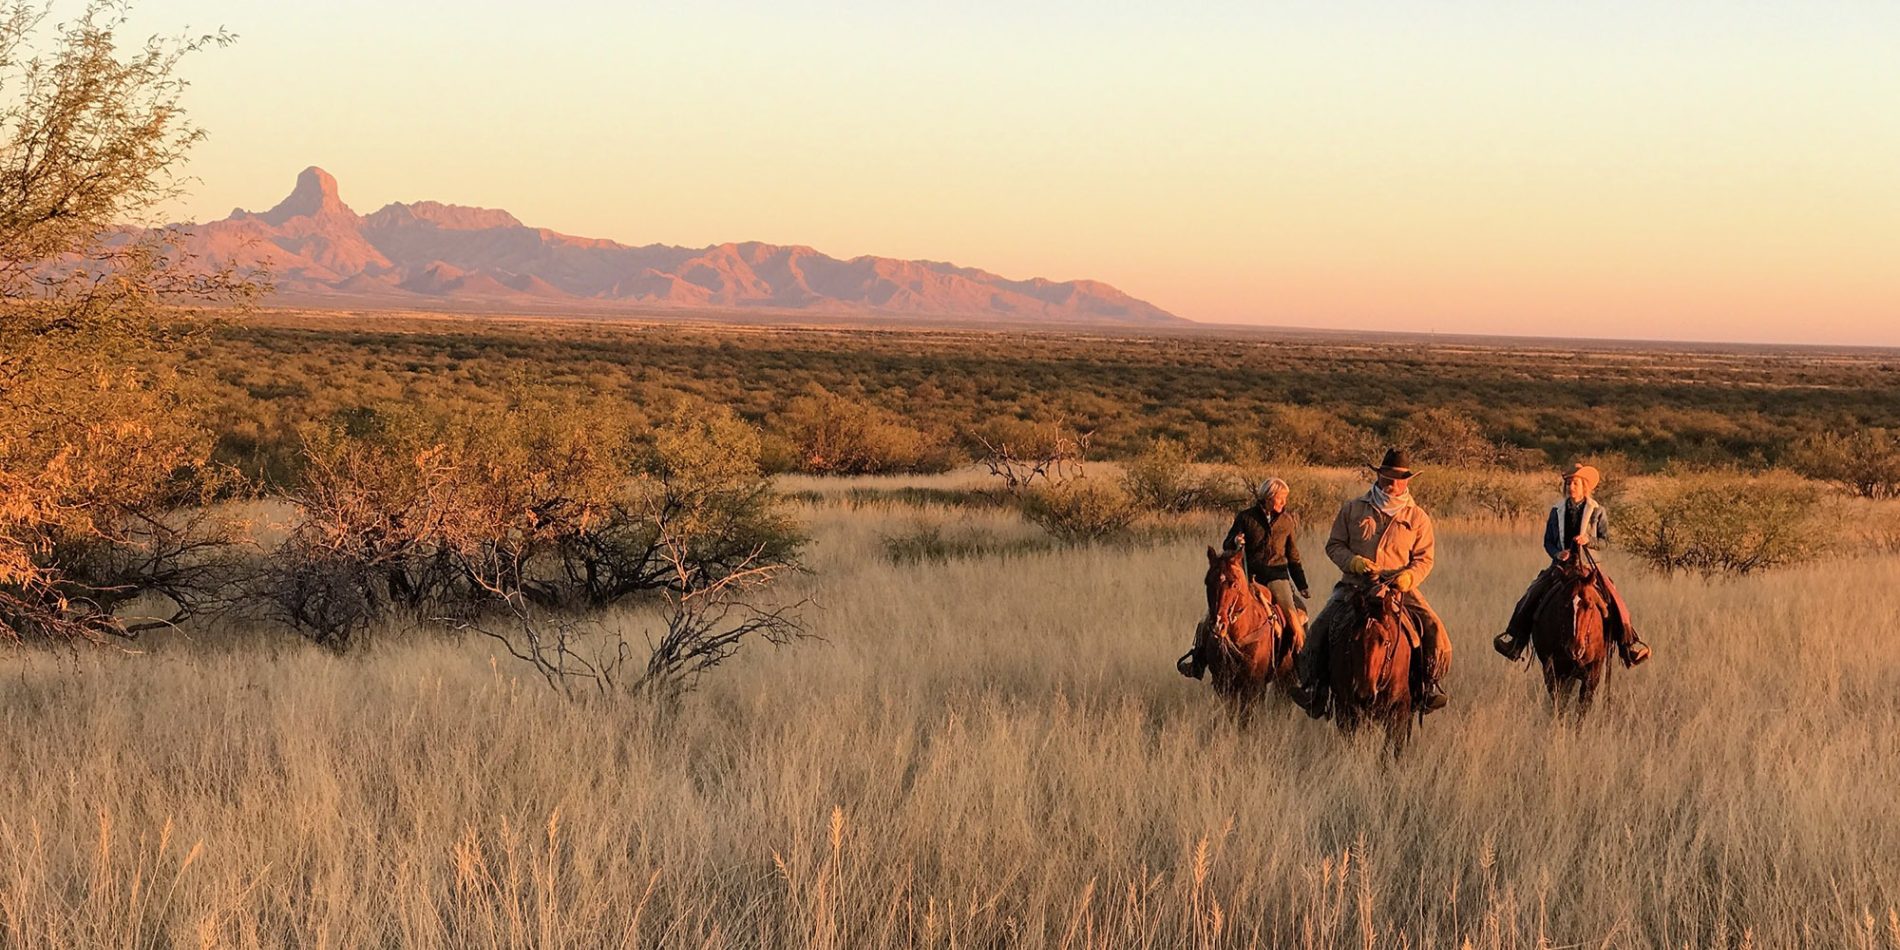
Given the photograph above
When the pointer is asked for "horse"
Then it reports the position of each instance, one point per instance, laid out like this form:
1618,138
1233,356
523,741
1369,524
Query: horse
1246,640
1370,662
1568,634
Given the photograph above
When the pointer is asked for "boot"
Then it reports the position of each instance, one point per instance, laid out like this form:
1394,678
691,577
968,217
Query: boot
1511,647
1312,699
1429,695
1190,665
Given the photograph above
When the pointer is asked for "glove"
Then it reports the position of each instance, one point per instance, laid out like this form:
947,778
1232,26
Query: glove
1358,565
1305,594
1405,582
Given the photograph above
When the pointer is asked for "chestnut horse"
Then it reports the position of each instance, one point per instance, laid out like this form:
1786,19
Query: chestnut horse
1370,662
1568,633
1246,640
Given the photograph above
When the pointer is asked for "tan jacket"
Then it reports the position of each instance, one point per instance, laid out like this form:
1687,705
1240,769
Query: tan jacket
1405,542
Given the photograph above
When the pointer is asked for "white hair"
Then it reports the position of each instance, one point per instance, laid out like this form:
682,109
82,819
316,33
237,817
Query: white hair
1271,486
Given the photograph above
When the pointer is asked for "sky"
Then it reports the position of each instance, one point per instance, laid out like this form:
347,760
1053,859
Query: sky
1687,170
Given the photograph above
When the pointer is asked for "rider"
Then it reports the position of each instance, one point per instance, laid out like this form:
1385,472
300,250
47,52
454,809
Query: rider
1269,534
1576,527
1383,531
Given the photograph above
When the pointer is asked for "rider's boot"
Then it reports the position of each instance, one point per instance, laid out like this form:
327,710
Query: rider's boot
1309,679
1431,695
1312,699
1512,647
1190,665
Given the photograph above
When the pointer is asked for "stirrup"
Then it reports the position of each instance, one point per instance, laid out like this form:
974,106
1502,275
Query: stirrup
1635,653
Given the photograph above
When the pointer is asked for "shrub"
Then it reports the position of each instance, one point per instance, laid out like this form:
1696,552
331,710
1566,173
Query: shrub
1163,479
1720,524
834,435
551,504
1080,511
1446,437
1021,453
1478,492
1306,435
1865,462
98,451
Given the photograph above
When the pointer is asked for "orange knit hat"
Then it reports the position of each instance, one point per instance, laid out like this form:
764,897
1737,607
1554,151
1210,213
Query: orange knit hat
1588,473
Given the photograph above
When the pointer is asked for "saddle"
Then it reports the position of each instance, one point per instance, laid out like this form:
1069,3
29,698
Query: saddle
1408,621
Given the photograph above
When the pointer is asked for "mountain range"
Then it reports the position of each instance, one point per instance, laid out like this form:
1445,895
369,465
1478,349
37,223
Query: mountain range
320,251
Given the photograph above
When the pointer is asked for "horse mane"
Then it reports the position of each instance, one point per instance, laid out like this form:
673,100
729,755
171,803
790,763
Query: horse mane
1580,580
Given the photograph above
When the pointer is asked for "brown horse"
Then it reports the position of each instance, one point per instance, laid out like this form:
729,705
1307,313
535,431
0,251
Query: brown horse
1370,663
1568,634
1246,640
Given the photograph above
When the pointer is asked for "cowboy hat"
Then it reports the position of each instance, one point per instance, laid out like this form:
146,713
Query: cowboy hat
1397,464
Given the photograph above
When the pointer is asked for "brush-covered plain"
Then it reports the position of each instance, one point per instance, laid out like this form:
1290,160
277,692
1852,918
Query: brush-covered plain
983,750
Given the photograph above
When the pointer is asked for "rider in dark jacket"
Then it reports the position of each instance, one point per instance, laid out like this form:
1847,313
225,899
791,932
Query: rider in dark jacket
1269,534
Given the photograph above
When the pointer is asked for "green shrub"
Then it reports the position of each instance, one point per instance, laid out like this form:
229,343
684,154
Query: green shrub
1478,493
1163,478
830,434
1865,462
1715,524
1447,437
1305,435
1081,511
433,516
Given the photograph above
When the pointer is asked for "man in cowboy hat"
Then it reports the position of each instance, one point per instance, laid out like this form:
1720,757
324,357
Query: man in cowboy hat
1269,534
1381,532
1577,526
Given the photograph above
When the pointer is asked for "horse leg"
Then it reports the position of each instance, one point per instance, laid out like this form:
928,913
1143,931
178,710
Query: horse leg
1551,684
1345,716
1587,687
1243,705
1398,729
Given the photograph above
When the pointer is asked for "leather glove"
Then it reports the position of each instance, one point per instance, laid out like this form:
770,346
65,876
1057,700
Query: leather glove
1305,594
1358,565
1405,582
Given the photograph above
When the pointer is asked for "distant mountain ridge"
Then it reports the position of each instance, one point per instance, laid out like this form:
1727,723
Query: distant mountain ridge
316,247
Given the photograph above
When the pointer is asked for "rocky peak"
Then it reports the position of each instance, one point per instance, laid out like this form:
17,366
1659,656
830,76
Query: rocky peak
314,197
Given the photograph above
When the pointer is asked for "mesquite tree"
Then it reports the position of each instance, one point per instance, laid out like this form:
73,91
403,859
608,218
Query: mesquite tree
101,467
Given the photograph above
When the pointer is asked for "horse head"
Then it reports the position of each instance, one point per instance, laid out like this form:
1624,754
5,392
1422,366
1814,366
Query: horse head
1580,577
1373,649
1227,586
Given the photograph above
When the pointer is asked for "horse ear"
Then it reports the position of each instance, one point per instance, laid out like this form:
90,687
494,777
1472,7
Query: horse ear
1211,555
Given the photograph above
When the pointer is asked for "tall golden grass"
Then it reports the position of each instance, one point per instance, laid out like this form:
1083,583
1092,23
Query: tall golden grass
982,752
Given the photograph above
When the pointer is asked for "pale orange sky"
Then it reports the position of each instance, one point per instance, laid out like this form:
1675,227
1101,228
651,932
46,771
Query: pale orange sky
1718,171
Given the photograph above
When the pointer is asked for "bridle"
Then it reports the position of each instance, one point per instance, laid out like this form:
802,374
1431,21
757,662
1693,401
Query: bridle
1383,685
1225,616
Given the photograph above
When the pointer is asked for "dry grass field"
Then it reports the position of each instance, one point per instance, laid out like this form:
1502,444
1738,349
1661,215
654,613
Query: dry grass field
978,753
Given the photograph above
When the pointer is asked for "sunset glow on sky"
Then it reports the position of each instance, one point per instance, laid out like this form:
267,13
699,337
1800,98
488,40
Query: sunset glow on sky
1693,170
